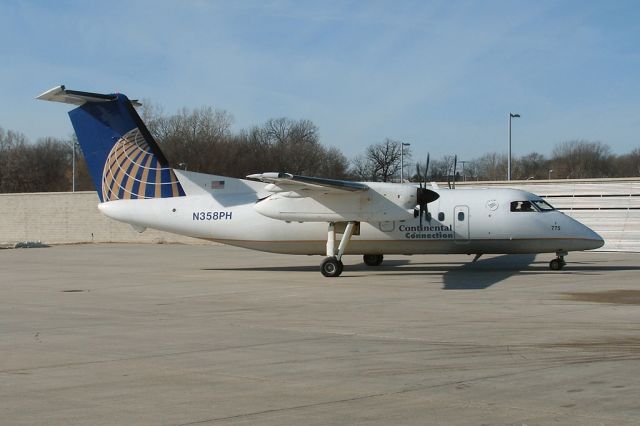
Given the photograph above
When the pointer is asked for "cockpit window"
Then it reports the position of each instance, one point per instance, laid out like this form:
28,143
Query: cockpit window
542,205
522,206
531,206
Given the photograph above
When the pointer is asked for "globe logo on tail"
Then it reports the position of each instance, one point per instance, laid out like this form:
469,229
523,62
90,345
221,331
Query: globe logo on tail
132,171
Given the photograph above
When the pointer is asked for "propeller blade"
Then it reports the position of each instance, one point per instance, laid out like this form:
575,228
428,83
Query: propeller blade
426,171
423,195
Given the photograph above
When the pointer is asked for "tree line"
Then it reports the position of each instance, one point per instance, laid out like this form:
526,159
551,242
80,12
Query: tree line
202,140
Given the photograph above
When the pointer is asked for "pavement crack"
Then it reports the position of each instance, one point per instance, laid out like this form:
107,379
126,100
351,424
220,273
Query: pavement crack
295,407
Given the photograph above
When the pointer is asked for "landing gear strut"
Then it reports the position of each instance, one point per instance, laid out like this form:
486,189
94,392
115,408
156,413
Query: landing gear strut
332,265
558,263
373,259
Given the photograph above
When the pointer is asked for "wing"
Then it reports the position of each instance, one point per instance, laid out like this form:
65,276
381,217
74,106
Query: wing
312,199
281,182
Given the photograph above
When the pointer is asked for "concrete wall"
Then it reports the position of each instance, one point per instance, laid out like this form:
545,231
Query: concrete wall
65,217
611,207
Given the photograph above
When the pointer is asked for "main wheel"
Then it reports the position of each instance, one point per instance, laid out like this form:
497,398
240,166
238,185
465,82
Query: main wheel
372,259
331,267
556,264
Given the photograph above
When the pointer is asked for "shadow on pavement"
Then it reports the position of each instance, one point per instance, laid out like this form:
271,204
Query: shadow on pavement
486,272
456,275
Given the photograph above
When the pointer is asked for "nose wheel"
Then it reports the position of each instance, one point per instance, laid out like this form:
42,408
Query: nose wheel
558,263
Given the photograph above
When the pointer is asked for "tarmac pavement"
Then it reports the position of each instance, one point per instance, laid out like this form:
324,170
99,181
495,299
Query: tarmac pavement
204,334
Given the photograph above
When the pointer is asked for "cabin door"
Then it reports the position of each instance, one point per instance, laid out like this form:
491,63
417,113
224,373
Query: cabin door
461,224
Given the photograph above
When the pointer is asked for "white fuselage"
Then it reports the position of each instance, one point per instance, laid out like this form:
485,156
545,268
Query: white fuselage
461,220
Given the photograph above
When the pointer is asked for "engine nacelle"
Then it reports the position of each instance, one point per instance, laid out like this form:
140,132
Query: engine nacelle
382,202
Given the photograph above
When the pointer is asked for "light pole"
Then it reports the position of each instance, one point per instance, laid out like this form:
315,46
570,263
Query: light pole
550,171
402,145
73,165
464,178
73,171
511,115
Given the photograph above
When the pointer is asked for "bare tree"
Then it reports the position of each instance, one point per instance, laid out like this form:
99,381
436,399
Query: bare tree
24,167
334,164
442,169
533,165
201,140
424,172
193,138
384,159
361,169
13,159
52,160
492,166
628,164
581,159
295,145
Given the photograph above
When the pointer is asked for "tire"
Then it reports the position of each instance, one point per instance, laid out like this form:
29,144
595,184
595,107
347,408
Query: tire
331,267
372,259
556,264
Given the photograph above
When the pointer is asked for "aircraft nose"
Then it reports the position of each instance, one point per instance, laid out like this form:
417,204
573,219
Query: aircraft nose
592,239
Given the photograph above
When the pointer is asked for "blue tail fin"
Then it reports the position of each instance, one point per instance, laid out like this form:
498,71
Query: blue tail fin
123,159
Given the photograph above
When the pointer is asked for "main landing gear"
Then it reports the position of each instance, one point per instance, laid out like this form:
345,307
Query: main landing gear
373,259
332,265
558,263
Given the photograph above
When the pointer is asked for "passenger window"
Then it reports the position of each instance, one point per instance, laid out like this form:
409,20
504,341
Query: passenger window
428,216
460,216
522,206
440,216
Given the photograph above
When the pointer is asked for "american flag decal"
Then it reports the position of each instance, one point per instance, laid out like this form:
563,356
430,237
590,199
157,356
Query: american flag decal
217,184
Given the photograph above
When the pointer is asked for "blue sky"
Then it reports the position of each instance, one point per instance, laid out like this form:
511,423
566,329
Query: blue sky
441,75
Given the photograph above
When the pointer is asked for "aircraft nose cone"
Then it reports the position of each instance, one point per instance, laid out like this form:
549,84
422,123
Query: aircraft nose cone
593,239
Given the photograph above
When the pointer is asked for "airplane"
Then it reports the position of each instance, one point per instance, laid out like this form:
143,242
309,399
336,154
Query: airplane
284,213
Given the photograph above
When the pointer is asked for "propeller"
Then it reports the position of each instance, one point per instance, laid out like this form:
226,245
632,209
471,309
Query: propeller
423,195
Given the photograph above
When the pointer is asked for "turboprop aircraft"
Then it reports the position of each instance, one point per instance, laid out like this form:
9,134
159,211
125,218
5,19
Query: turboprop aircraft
283,213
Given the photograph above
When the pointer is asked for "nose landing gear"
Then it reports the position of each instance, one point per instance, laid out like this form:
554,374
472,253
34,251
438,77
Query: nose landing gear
558,263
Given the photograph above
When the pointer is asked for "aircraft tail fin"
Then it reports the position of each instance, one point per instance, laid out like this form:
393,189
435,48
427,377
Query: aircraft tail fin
124,160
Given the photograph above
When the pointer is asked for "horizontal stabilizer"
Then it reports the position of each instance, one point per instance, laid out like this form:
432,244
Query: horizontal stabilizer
75,97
